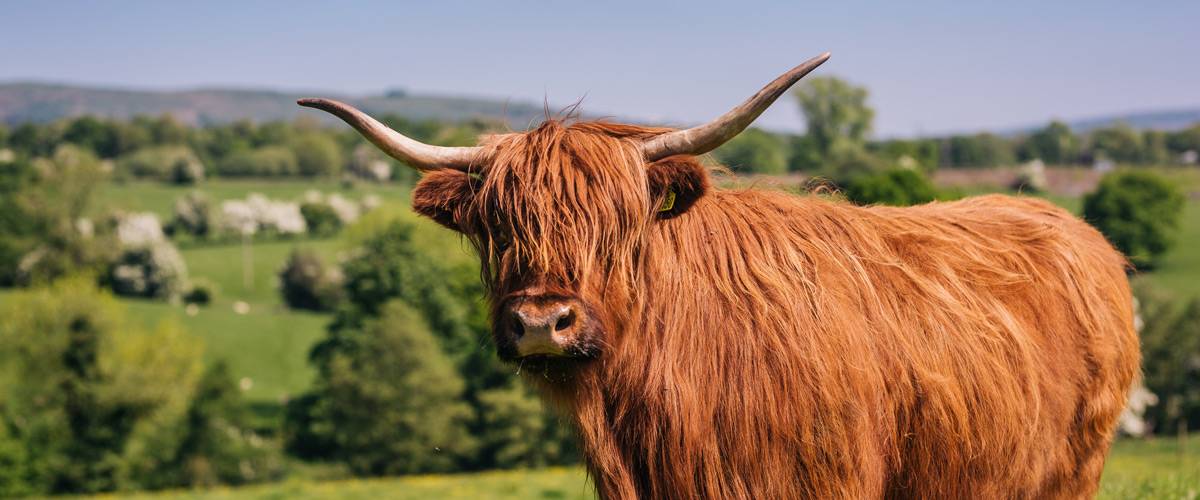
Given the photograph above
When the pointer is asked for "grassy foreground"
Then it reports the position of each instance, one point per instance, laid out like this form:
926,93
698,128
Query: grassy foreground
1151,469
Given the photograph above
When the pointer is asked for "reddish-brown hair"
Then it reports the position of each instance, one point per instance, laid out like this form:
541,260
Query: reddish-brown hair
767,345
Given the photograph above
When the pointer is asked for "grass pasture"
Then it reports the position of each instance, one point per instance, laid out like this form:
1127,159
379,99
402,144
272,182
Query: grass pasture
269,345
1152,469
158,197
223,265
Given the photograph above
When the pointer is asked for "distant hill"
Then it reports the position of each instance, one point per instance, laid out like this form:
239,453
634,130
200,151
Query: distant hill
1173,119
41,102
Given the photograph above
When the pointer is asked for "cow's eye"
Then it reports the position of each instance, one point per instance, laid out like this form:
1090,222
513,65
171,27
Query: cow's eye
501,242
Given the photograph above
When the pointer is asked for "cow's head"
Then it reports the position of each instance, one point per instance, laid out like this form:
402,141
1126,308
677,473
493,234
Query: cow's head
560,214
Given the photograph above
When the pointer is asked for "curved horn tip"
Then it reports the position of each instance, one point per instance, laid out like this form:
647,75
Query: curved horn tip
311,102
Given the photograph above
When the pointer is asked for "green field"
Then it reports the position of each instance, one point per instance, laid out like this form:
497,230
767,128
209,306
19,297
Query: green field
158,197
226,266
269,345
1152,469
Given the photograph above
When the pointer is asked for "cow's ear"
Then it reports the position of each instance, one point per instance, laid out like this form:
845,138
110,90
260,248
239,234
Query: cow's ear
444,195
676,183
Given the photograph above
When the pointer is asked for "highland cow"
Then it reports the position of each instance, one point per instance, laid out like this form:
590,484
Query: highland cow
747,343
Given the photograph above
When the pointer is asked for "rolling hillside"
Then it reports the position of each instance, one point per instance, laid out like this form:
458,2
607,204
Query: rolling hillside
40,102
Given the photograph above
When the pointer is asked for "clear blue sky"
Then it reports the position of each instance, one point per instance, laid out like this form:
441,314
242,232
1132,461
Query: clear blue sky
930,66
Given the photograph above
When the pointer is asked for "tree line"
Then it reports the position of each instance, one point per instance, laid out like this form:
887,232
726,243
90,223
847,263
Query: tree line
838,122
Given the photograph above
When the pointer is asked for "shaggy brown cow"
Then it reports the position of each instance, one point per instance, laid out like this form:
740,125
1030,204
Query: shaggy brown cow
743,343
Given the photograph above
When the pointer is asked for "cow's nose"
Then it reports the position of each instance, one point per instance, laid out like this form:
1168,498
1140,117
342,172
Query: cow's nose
543,328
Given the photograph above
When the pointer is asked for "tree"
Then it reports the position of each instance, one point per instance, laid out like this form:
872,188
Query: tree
1119,143
754,151
1184,140
393,404
306,284
402,259
317,155
269,161
836,114
979,150
18,231
34,140
1170,337
1138,211
193,216
97,136
918,153
173,163
45,225
153,270
217,445
320,218
1054,144
88,397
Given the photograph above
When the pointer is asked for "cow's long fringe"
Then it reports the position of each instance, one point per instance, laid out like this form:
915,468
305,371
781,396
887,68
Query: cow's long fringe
767,345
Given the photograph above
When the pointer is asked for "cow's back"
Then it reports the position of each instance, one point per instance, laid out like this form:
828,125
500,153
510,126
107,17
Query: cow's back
804,347
1054,354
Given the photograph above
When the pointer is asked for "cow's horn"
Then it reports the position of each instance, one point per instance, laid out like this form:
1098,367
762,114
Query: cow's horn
421,156
704,138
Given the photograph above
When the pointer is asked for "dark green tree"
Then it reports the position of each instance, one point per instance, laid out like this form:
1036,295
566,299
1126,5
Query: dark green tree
305,283
1138,211
393,404
1119,143
1185,140
1054,144
320,218
836,114
217,445
97,136
979,150
1170,338
84,409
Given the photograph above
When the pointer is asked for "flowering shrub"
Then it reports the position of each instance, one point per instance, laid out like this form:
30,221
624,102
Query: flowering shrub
258,213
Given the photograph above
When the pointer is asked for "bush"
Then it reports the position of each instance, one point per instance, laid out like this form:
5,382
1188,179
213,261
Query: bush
1138,212
896,187
317,155
89,399
193,216
155,270
393,405
1170,338
320,218
269,161
306,284
176,164
44,230
200,292
258,213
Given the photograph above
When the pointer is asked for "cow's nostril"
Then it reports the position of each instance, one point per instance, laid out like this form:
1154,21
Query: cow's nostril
565,321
